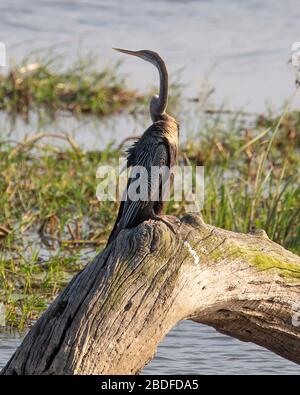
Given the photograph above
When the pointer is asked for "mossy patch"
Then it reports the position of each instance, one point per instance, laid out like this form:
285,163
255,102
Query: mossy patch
286,269
264,261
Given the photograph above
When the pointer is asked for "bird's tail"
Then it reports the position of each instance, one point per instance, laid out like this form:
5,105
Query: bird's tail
113,235
116,229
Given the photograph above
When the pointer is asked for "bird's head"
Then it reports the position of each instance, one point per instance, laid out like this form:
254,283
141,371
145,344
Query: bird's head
158,104
148,56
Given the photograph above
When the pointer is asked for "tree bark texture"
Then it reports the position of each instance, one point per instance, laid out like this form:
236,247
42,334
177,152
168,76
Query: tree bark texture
114,313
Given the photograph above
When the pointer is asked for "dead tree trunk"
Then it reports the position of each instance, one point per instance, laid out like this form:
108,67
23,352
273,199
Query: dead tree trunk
113,314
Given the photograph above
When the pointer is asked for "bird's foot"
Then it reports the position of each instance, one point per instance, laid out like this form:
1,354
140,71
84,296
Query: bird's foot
166,221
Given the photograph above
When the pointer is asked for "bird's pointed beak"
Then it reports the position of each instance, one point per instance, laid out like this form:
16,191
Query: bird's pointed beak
128,52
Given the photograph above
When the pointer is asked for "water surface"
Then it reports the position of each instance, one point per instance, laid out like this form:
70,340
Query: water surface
191,348
241,46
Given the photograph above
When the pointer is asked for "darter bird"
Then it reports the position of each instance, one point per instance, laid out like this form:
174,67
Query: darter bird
158,146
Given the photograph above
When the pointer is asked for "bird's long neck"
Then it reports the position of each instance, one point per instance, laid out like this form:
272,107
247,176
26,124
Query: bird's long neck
163,88
159,103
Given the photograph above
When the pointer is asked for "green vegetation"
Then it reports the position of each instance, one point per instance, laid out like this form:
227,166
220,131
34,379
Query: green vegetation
51,222
285,269
29,284
252,176
79,89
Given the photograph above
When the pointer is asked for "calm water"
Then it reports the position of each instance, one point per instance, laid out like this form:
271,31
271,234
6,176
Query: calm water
240,47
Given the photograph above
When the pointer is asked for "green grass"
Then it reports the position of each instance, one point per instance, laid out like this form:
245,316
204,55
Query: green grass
28,284
252,177
50,215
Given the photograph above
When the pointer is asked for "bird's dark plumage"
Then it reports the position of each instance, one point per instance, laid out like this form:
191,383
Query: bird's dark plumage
157,147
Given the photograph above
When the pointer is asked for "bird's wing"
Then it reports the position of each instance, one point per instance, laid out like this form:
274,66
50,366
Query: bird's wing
150,149
131,158
155,154
114,231
131,154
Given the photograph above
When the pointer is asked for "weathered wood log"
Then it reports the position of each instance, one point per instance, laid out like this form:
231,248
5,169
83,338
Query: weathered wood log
113,314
